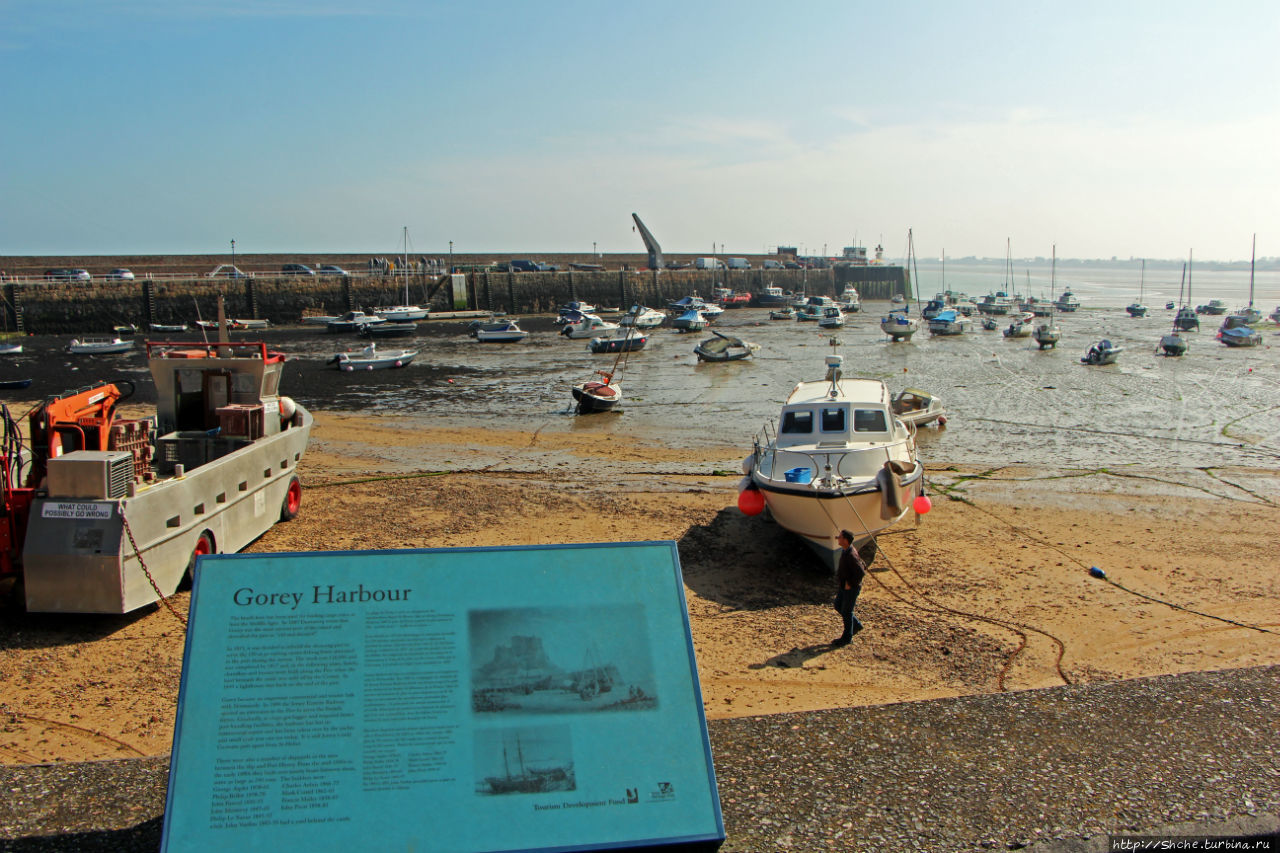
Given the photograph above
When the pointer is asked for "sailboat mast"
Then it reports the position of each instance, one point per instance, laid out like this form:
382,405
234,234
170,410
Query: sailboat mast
405,264
1253,254
1053,283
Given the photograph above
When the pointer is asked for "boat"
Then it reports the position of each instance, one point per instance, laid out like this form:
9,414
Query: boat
1174,344
16,349
832,318
1103,352
1046,334
1169,306
995,304
631,341
642,318
98,346
772,297
1212,307
838,460
352,321
14,384
1137,309
1067,302
210,471
1274,316
168,328
597,395
370,358
812,308
1248,315
1240,336
949,322
724,348
989,324
1019,328
404,312
589,326
312,317
389,330
933,307
918,408
1186,318
577,305
252,324
850,301
527,779
696,303
495,331
786,312
691,320
898,326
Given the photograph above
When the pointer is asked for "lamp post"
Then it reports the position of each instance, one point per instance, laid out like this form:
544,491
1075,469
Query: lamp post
233,253
594,253
451,256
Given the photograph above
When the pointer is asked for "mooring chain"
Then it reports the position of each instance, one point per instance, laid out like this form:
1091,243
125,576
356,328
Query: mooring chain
141,562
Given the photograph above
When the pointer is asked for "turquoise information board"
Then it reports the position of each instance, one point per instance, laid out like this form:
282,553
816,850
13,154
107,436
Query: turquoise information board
475,699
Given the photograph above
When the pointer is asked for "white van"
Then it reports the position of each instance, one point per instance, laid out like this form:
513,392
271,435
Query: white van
707,264
739,264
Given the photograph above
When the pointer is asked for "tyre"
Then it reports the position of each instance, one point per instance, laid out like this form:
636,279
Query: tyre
204,545
292,500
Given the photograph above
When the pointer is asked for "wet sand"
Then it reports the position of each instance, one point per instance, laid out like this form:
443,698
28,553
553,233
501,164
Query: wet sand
990,592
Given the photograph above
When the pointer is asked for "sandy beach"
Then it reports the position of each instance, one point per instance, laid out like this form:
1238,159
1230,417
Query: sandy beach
989,592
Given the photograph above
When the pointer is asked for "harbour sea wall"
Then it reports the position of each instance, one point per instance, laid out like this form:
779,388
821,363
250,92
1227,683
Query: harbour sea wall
39,307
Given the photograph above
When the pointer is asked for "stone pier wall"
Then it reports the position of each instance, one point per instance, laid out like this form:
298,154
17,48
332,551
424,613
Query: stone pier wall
96,307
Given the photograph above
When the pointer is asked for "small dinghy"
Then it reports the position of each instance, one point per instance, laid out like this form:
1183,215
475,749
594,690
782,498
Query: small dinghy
724,348
1103,352
14,384
370,359
785,313
10,349
1018,329
389,330
1174,344
597,395
913,406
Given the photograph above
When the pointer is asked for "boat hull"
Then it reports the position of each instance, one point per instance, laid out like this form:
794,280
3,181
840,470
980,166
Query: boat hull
596,397
817,514
79,558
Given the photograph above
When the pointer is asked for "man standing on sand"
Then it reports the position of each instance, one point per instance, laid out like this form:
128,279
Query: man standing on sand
849,577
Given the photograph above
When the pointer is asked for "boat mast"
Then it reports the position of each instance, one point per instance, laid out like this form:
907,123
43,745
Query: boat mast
1253,254
1142,278
405,264
1053,284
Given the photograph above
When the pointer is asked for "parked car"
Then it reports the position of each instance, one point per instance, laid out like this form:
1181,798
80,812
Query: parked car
227,271
523,265
297,269
771,264
68,275
548,268
330,269
792,265
120,274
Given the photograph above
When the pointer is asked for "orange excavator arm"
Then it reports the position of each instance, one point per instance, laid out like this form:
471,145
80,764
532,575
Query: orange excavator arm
77,420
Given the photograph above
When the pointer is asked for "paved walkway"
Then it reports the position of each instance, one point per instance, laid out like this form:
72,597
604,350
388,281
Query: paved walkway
1053,771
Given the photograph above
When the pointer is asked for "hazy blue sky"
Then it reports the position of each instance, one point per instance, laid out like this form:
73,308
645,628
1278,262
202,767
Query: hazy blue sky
170,126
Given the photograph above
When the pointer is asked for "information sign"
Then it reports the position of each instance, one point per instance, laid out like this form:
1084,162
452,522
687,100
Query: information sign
477,699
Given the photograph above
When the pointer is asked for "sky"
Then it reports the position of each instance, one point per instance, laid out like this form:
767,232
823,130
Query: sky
1133,129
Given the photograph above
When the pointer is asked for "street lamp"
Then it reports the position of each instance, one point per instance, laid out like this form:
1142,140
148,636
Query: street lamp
233,253
594,253
451,256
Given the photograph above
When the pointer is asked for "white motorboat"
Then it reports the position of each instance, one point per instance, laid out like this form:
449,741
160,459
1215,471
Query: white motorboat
370,358
1067,302
832,318
916,407
1103,352
254,324
590,326
813,307
899,326
642,318
98,346
352,321
850,301
1047,334
167,328
498,332
949,322
786,312
996,304
10,349
692,320
839,460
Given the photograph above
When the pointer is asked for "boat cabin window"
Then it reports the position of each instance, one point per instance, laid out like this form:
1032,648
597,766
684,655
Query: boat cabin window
797,422
834,420
869,420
